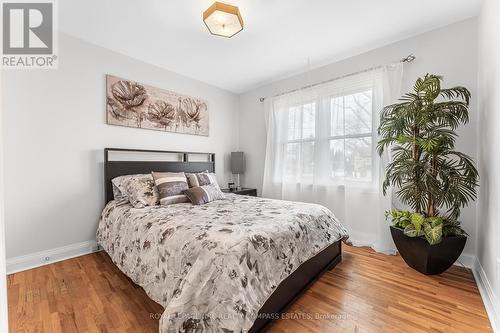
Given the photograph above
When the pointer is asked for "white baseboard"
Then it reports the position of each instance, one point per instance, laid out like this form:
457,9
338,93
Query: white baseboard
490,300
466,260
41,258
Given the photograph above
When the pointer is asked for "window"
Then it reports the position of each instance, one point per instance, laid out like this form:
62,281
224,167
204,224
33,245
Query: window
334,131
350,140
301,136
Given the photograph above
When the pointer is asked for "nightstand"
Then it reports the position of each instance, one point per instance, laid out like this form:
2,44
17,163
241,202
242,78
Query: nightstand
242,191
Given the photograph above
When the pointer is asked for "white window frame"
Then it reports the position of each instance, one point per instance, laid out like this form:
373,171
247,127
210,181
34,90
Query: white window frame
372,135
302,140
318,140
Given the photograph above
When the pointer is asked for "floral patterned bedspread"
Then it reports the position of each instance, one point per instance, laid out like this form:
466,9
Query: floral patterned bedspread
213,266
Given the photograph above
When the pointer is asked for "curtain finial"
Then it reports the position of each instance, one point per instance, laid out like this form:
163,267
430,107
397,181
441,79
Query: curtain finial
409,58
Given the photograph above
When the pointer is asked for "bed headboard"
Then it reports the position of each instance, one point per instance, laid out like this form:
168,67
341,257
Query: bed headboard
129,161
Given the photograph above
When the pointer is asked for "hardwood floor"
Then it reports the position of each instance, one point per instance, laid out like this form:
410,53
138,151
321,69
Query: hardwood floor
366,292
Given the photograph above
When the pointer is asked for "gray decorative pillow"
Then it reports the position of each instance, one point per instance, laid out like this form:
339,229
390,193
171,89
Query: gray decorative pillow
203,194
201,179
138,189
171,187
119,197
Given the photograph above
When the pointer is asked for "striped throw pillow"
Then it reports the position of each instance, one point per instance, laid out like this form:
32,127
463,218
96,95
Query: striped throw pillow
171,187
201,179
203,194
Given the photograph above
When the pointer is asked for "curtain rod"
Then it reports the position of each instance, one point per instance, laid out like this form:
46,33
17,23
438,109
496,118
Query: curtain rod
407,59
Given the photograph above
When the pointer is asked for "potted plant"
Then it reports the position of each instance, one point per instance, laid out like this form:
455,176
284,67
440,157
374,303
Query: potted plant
429,175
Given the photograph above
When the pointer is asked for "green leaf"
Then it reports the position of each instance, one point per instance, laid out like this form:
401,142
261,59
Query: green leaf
399,218
404,222
410,231
434,235
435,221
417,220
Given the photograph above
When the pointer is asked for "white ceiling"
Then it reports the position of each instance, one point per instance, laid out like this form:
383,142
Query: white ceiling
279,36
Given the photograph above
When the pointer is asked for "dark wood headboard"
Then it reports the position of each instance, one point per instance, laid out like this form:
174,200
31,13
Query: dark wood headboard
117,168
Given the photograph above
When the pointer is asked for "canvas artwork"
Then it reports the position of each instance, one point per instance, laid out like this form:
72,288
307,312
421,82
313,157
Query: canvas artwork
132,104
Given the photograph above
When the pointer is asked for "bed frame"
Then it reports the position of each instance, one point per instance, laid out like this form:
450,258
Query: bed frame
289,289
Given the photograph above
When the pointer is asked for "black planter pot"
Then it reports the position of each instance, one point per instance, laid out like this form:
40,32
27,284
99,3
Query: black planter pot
425,258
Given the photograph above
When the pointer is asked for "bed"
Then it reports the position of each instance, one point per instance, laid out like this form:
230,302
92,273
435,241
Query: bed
231,265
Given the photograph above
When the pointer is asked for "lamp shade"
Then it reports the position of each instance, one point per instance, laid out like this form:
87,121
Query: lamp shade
238,162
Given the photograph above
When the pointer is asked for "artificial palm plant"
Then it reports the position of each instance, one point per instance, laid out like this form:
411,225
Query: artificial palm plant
431,177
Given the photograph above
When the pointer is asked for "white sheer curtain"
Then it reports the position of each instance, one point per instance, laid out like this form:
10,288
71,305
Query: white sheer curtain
321,148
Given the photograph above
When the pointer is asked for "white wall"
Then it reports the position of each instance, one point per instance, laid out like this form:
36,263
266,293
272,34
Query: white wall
488,245
54,133
450,51
4,322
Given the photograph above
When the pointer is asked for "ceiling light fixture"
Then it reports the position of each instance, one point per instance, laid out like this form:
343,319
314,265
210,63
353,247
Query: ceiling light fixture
223,20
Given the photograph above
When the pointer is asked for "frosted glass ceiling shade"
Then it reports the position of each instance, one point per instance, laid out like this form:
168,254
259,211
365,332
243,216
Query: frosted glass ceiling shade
238,162
223,20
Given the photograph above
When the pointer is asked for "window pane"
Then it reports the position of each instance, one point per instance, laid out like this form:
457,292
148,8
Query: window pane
358,158
351,159
337,116
337,158
291,159
309,121
307,158
358,113
294,124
